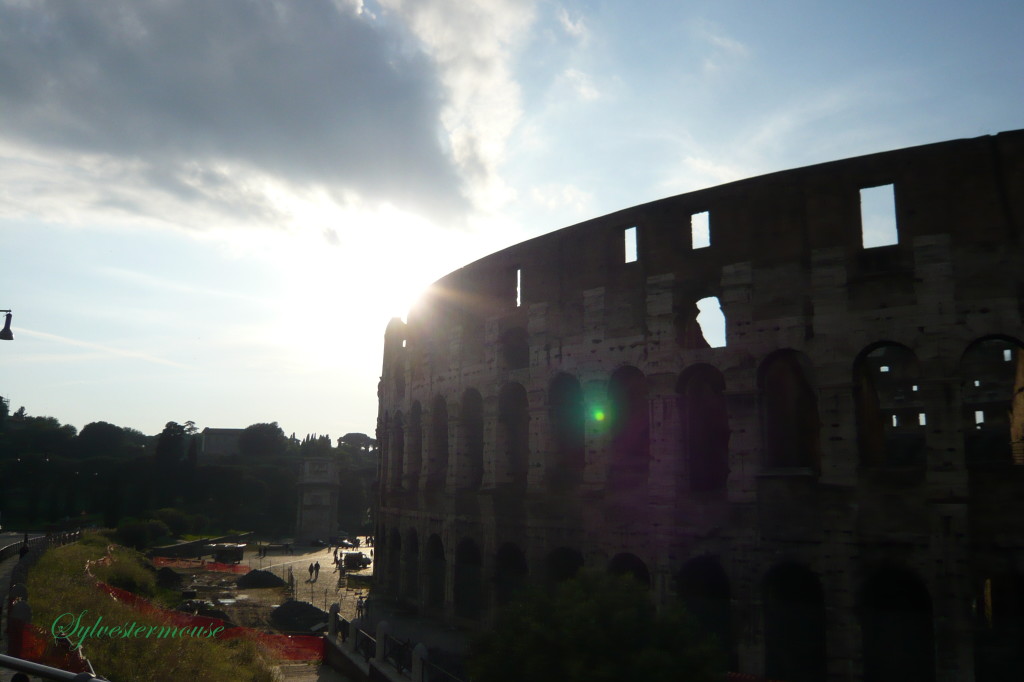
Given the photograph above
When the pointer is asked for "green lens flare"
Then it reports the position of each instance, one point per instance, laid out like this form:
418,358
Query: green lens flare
599,415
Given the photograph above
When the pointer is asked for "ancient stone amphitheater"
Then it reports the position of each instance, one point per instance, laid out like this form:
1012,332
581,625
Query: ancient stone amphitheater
833,483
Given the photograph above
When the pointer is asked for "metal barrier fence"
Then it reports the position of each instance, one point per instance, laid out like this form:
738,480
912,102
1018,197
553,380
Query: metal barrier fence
435,673
398,654
365,644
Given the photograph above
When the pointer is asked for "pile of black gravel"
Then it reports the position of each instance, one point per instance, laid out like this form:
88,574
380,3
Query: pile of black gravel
297,617
258,579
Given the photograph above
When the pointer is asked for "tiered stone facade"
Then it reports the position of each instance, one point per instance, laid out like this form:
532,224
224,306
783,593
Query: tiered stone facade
837,492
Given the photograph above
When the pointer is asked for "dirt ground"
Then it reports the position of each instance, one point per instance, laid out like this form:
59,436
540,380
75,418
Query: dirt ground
252,607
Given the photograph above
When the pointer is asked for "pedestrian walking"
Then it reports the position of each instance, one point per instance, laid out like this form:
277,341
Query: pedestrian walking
311,573
316,569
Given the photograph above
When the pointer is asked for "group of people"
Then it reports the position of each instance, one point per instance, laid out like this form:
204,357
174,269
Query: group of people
314,572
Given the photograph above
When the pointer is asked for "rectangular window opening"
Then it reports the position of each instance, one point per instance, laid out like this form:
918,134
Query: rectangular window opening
700,230
878,216
630,244
1007,355
914,388
979,417
519,287
895,421
922,420
403,343
883,368
977,383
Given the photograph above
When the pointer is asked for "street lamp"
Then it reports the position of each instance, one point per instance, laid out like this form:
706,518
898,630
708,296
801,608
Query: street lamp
5,333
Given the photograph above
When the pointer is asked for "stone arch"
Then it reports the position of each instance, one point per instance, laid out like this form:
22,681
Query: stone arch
794,625
562,564
703,588
999,628
515,348
566,418
704,421
890,410
384,439
626,563
397,455
510,572
471,423
435,574
514,433
398,377
629,418
992,376
468,597
896,628
437,465
394,561
410,564
789,412
414,447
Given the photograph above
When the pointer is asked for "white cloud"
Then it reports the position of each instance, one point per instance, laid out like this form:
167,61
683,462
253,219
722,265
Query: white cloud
581,84
472,44
576,28
157,108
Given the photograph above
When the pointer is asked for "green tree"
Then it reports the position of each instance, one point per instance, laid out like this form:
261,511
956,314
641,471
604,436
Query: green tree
594,628
100,439
170,444
262,441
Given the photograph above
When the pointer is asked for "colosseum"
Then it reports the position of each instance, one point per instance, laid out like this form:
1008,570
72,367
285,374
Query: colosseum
831,478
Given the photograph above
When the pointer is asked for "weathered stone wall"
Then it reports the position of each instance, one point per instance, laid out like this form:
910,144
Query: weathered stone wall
820,490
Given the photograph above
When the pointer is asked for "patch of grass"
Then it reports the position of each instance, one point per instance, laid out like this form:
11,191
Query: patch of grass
58,584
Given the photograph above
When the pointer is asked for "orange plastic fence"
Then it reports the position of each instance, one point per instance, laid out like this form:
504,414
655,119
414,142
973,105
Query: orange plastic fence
202,565
283,647
32,643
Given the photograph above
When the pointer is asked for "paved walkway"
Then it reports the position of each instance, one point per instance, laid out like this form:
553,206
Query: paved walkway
6,566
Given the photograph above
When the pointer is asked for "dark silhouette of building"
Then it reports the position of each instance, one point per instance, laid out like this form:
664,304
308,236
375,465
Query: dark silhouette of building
837,491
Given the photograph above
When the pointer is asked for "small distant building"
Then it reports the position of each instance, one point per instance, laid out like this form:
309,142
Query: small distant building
318,499
218,444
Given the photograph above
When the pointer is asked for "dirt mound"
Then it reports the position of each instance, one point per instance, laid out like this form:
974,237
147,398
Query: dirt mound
297,616
257,579
168,577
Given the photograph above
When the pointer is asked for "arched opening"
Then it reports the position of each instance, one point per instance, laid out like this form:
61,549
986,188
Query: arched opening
890,410
794,625
704,419
896,628
414,447
510,572
471,419
630,429
704,590
562,564
435,572
631,565
410,564
992,377
468,580
514,433
566,419
394,563
398,374
515,348
397,451
999,629
789,412
437,470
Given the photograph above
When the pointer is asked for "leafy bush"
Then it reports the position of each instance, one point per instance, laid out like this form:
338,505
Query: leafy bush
594,628
58,585
141,534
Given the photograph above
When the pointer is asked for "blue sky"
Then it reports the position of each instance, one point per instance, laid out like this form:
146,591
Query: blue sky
209,211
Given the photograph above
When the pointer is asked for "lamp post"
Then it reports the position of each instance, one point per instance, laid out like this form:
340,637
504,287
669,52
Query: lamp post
5,333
